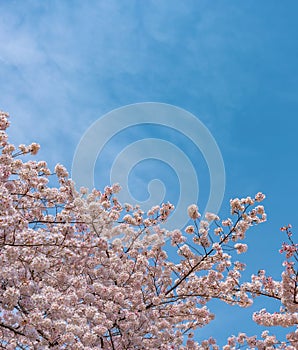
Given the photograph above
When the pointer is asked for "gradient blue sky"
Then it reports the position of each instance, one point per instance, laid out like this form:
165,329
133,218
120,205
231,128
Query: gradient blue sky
63,64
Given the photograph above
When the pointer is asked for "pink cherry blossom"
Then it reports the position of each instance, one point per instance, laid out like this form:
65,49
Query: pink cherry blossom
79,270
193,211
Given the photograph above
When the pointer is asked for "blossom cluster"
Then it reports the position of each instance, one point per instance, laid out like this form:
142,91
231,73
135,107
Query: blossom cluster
79,270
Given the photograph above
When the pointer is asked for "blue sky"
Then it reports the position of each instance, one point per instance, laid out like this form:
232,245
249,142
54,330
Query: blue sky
64,64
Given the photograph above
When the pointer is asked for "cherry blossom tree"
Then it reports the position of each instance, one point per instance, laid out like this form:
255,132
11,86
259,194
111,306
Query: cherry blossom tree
80,270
